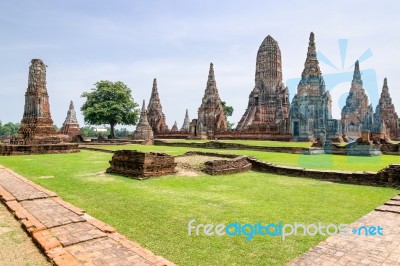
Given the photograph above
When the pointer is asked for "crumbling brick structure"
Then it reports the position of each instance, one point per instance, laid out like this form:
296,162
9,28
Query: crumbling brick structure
141,165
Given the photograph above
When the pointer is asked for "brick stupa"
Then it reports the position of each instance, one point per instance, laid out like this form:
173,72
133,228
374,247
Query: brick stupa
385,117
268,106
211,113
37,133
186,123
71,125
357,114
143,129
155,115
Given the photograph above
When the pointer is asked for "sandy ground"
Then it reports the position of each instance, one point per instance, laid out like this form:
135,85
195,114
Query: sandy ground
192,165
16,248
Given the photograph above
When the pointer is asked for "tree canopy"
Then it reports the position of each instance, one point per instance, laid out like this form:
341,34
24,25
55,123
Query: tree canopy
228,111
110,103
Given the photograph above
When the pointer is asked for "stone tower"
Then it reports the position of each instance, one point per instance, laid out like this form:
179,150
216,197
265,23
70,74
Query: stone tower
37,125
357,114
311,107
385,117
186,123
175,127
143,129
155,114
268,106
211,113
71,125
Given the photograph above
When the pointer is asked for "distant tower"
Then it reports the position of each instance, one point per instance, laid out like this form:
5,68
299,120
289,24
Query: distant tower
357,114
211,113
268,105
311,107
186,123
71,125
143,129
175,127
155,114
37,125
385,117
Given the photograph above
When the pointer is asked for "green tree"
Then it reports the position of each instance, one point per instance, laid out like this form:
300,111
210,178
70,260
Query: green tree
110,103
228,110
10,129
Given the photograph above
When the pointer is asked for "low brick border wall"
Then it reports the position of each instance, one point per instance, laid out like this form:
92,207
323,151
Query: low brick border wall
231,146
227,166
95,149
10,150
389,176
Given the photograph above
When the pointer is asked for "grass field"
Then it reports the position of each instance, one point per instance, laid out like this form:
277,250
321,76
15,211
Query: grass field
265,143
325,161
156,212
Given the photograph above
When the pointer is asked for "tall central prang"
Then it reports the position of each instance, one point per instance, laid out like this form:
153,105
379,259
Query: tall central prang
268,107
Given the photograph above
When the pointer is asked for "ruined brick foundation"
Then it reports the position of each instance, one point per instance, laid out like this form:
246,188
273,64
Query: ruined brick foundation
141,165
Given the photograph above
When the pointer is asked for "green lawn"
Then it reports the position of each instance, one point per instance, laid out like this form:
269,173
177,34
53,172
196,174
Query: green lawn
156,212
325,161
265,143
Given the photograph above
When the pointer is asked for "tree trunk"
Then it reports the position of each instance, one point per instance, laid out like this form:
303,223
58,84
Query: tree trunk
112,133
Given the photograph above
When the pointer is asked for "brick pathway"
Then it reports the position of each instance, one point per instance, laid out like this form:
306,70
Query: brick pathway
361,250
65,233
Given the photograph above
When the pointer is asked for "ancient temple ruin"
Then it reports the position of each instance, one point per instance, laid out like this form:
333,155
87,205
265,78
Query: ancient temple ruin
71,125
37,125
37,134
357,114
143,129
175,127
155,114
186,123
268,106
311,106
211,113
386,120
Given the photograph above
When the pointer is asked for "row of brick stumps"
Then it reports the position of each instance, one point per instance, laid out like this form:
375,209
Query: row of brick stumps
65,233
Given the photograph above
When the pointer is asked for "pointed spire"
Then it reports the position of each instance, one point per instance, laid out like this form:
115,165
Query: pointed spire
385,88
311,66
144,107
71,115
175,127
312,52
154,89
211,75
357,73
186,122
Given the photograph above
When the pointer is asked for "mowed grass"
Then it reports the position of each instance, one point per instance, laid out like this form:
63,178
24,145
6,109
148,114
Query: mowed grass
156,212
324,161
263,143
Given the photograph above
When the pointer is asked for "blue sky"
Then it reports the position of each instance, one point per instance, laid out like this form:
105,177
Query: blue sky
174,41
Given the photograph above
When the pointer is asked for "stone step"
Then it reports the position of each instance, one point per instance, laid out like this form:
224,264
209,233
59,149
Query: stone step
396,198
388,208
393,203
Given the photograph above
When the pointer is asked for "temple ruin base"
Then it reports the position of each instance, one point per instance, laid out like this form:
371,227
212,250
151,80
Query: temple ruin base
7,150
141,165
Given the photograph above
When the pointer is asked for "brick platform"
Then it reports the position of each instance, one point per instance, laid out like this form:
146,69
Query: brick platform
65,233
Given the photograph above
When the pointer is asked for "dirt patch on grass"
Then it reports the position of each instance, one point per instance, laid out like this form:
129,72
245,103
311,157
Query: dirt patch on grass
192,165
16,248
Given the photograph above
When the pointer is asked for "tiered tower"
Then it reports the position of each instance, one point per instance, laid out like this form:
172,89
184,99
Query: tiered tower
143,129
186,123
311,106
155,114
71,125
37,125
385,117
268,106
357,114
175,127
211,113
